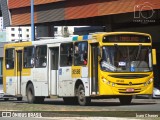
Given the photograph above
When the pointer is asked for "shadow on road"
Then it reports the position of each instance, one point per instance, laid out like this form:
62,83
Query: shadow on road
108,102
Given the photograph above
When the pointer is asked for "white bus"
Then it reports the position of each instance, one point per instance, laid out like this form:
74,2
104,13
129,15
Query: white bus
116,64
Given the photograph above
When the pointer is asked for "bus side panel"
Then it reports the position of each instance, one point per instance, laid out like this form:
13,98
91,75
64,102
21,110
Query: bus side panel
40,88
66,83
85,79
40,81
11,85
66,88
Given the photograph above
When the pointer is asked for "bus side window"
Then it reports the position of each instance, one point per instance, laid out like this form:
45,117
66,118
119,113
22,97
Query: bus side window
28,57
41,56
80,53
9,58
66,54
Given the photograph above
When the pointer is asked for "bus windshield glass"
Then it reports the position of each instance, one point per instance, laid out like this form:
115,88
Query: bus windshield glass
126,58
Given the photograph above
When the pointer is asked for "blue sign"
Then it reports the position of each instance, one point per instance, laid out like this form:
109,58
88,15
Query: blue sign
132,69
10,81
60,71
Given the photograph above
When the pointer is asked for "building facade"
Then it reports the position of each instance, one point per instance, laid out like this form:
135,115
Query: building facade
14,34
1,24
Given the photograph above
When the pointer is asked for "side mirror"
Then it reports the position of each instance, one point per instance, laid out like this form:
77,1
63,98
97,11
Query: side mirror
154,56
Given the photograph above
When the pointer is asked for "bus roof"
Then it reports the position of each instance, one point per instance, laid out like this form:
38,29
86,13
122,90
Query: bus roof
49,40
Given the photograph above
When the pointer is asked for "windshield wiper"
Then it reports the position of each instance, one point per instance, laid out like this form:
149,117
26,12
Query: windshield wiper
139,51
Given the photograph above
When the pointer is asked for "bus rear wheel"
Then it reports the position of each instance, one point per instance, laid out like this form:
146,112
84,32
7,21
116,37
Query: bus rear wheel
30,94
125,100
82,99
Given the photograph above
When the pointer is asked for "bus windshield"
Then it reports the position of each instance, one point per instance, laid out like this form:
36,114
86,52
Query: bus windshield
126,58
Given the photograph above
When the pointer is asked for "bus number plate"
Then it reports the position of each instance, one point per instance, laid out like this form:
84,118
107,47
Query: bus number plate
130,90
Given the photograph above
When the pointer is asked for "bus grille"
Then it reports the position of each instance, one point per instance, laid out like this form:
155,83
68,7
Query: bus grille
124,91
129,84
129,76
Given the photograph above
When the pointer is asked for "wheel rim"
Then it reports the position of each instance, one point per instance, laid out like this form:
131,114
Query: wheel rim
82,95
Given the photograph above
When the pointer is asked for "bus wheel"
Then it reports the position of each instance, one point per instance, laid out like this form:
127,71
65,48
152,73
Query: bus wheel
30,93
19,98
125,100
82,100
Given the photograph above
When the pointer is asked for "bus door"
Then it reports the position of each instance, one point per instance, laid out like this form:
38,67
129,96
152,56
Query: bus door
94,68
53,69
19,71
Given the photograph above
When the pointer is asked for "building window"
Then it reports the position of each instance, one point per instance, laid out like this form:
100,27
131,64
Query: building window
27,30
28,57
80,53
13,35
41,56
9,58
27,36
19,35
66,54
19,29
12,29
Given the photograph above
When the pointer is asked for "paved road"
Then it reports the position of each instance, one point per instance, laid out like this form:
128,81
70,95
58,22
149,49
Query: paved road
108,107
96,105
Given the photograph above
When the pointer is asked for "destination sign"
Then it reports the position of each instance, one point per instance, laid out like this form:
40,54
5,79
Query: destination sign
126,38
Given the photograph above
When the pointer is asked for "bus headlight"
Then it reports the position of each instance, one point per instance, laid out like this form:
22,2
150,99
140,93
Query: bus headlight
104,80
148,82
108,82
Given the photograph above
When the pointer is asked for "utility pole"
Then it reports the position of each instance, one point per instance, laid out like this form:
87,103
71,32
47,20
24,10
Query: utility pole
32,21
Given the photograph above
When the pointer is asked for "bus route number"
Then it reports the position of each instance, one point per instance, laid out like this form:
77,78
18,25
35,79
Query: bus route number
76,71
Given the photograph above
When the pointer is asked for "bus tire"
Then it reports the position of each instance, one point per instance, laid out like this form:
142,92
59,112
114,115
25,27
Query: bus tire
82,99
125,100
19,98
30,94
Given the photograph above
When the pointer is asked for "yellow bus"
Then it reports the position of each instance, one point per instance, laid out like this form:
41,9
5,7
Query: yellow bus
79,68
